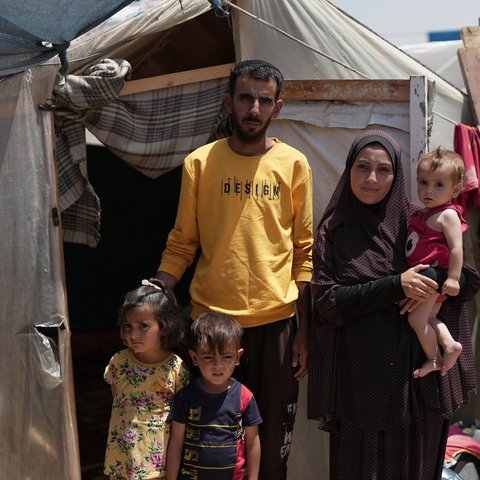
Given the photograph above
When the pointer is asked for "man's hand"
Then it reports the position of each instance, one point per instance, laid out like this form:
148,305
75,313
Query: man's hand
300,342
167,279
300,354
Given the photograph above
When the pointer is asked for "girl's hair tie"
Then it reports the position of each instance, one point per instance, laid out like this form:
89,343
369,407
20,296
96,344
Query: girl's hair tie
147,283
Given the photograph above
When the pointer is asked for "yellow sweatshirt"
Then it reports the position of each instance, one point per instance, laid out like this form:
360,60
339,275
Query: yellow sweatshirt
252,219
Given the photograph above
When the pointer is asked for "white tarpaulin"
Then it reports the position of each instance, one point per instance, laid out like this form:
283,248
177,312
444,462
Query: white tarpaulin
37,417
324,28
442,58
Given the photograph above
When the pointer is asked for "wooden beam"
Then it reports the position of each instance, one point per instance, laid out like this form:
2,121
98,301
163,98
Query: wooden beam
470,64
175,79
418,128
347,90
293,90
470,36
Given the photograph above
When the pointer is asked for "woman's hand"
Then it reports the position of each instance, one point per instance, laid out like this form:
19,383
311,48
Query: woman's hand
416,286
408,305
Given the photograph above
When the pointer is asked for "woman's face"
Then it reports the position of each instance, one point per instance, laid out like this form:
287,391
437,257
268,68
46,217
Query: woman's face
371,175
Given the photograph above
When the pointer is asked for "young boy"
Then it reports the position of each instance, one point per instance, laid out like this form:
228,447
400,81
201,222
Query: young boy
214,433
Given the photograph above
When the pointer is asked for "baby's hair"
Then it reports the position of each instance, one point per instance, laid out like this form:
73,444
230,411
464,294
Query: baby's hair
214,331
161,301
443,158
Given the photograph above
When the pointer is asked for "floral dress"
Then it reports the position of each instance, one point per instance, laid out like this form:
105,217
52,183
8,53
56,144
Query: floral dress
140,420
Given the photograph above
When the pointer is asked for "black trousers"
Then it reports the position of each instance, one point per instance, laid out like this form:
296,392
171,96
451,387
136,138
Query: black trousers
265,368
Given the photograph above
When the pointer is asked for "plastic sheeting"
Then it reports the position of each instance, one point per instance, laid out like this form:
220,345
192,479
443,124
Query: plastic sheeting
441,57
317,23
33,32
37,418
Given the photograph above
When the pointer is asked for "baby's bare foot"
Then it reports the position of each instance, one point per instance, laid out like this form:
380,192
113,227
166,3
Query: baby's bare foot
427,367
451,353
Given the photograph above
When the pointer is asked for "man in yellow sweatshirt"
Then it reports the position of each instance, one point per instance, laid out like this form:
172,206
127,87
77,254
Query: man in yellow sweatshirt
246,203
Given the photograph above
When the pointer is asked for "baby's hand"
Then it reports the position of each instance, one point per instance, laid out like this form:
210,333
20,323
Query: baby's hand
451,287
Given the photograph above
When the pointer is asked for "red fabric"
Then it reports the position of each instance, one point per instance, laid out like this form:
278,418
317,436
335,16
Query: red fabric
245,398
424,244
467,145
457,444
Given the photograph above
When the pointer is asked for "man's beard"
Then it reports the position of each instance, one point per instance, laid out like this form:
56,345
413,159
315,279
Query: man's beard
247,136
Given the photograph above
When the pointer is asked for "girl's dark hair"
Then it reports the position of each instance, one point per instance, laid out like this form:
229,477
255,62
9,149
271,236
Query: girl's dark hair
163,304
214,331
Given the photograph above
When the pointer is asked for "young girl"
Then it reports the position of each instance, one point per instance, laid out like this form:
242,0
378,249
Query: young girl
435,239
144,379
215,418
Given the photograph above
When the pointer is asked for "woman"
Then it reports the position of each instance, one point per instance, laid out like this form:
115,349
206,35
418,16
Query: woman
384,423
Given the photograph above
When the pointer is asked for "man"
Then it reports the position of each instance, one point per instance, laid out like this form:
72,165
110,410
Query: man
246,202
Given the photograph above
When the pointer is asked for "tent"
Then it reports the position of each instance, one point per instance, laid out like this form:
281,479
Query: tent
341,78
442,57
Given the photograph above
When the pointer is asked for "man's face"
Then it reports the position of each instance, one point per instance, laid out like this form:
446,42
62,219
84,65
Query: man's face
252,107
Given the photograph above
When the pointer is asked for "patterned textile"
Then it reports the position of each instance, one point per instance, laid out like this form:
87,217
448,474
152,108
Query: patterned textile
140,425
397,453
151,131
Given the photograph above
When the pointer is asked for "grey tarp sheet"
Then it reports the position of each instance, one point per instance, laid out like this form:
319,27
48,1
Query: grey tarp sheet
37,418
34,32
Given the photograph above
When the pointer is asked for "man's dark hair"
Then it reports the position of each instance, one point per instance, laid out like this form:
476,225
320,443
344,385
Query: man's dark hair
258,70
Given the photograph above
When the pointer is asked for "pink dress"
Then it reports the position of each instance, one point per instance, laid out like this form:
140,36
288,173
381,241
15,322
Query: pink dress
426,245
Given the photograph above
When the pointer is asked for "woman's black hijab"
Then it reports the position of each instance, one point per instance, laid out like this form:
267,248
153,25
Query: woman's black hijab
374,234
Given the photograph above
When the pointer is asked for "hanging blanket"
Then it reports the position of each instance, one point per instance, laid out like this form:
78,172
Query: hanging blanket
151,131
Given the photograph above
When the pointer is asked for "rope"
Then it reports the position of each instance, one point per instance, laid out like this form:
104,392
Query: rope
445,118
291,37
